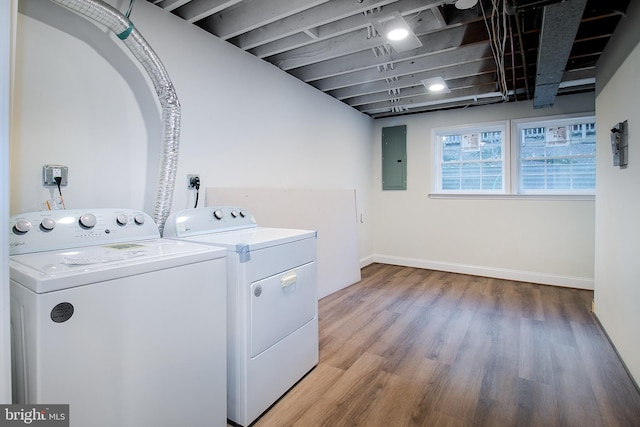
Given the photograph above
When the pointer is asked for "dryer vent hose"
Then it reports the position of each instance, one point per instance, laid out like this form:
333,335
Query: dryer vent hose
121,25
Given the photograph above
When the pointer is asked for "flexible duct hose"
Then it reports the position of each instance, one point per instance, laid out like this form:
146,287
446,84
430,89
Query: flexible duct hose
122,26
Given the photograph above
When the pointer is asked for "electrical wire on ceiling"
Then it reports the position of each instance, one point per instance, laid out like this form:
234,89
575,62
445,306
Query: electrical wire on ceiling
496,25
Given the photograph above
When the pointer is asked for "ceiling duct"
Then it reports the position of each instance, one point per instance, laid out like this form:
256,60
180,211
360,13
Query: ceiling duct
560,24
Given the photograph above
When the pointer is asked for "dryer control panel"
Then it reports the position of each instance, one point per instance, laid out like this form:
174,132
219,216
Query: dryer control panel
191,222
72,228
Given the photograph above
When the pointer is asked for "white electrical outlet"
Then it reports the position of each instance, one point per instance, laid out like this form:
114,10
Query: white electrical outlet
51,172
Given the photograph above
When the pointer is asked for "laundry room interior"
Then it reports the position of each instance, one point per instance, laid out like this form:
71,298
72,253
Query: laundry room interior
295,157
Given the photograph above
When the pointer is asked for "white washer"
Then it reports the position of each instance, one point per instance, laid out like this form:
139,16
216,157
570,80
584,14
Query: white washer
125,327
272,307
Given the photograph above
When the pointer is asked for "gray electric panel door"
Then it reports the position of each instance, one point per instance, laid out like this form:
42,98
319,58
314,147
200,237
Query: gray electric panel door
394,158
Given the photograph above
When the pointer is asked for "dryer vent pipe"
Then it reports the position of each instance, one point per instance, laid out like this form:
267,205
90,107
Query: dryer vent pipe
101,12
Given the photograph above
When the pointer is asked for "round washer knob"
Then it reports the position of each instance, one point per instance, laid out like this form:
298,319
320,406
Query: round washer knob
48,224
88,220
139,219
22,226
234,213
122,219
243,213
218,214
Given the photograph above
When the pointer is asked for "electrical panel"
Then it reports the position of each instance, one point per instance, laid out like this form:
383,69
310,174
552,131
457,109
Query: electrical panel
394,158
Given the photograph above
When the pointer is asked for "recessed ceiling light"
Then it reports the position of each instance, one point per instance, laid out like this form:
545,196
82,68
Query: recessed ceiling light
436,85
398,34
401,41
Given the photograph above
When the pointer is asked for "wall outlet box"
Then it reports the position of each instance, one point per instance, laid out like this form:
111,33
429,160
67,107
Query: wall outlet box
51,172
193,181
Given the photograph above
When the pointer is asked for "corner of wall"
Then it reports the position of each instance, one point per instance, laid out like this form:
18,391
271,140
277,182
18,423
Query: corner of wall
625,38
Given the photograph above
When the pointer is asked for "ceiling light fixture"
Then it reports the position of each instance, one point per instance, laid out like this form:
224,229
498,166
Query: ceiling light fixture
436,85
397,32
465,4
396,28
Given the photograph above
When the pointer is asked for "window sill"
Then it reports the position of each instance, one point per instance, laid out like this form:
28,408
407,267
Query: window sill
553,197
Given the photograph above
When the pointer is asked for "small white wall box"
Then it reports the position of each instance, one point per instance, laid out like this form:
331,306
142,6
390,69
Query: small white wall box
51,172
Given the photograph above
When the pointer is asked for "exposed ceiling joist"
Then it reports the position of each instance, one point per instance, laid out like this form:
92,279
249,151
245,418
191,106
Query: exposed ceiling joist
438,42
347,25
324,14
335,46
461,55
251,14
195,10
448,73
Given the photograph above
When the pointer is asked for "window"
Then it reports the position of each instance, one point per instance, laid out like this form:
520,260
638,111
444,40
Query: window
470,159
557,156
548,156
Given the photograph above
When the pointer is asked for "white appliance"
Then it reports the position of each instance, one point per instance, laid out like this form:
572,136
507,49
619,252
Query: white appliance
125,327
272,303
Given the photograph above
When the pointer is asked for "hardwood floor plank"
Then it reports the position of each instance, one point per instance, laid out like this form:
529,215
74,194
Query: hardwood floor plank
426,412
412,347
460,393
302,397
538,405
534,361
394,407
531,306
610,384
571,383
445,344
349,400
339,353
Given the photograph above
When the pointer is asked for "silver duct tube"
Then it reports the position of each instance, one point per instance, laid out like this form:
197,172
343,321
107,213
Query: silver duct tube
121,25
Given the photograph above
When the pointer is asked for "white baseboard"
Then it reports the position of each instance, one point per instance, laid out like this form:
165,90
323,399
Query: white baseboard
474,270
367,261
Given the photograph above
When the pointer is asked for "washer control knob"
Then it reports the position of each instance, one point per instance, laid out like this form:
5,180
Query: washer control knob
139,219
48,224
122,219
22,226
243,213
88,220
218,214
234,213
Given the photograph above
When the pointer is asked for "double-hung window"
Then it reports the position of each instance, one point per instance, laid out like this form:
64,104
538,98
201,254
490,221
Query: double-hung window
557,156
549,156
470,159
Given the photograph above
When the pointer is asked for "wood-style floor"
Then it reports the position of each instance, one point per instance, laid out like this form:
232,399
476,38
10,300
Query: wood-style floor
412,347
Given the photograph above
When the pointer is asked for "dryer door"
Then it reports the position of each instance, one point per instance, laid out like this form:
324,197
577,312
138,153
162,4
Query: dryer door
281,304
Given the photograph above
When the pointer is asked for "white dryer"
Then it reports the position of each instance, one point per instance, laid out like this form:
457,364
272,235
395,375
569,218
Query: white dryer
272,303
125,327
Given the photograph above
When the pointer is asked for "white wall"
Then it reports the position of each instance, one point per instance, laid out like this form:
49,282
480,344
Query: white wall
83,103
541,241
617,228
8,12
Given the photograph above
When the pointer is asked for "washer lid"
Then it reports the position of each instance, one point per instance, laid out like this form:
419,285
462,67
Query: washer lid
55,270
252,239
